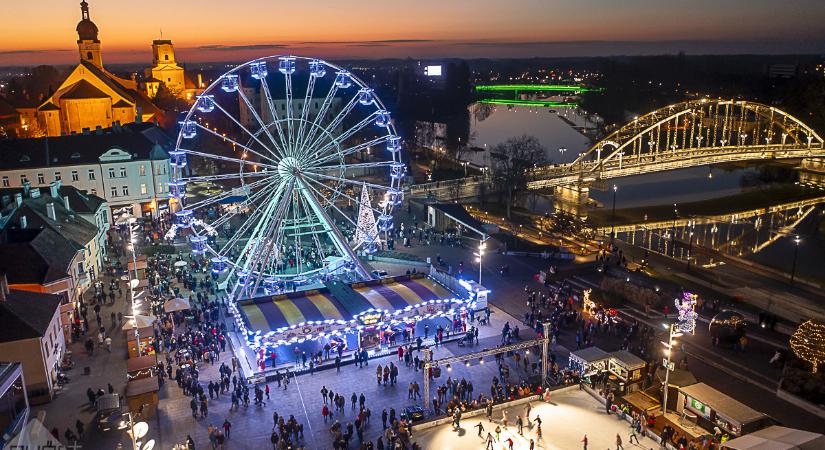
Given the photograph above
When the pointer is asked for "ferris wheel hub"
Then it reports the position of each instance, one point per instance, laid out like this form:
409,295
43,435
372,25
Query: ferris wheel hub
289,167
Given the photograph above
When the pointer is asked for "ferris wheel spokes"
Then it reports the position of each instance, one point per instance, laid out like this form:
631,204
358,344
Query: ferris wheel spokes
257,117
342,194
305,109
350,150
274,112
253,136
251,200
344,168
318,121
227,194
236,143
227,158
341,138
348,181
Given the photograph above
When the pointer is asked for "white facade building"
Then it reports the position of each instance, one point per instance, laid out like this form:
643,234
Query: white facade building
127,165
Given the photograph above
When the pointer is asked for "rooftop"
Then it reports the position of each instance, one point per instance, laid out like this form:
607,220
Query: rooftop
144,141
26,315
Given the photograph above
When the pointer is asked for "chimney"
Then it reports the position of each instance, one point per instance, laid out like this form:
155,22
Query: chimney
86,131
66,203
50,211
138,114
54,189
27,186
23,222
98,130
4,287
18,199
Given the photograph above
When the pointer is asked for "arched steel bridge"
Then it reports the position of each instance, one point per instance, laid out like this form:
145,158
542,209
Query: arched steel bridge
687,134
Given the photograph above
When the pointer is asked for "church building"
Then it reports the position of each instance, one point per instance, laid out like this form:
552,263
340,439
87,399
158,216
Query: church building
92,97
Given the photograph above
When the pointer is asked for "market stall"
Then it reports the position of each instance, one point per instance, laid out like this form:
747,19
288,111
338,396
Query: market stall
147,341
778,438
625,371
715,409
141,367
143,393
589,361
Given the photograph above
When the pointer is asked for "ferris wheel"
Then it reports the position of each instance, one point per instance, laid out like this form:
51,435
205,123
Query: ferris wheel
274,171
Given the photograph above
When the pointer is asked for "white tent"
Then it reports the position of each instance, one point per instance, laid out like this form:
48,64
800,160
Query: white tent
778,438
176,304
140,320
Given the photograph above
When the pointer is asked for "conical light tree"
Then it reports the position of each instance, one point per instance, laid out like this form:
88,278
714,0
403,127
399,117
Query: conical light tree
367,229
808,343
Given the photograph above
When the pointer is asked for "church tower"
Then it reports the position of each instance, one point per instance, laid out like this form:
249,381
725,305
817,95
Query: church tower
87,42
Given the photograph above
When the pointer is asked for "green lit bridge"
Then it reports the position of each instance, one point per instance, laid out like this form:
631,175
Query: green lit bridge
518,89
689,134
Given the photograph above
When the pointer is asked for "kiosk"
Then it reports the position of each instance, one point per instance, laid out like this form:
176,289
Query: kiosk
715,409
625,371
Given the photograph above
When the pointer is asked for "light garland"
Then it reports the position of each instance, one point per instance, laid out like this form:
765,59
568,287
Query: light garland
808,343
686,306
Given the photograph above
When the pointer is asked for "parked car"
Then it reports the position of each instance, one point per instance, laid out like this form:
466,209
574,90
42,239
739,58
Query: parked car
412,413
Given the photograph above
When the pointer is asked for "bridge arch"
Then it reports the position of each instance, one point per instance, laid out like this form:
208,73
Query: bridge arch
700,124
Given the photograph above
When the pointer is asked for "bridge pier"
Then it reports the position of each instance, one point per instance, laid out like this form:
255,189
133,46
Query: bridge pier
572,199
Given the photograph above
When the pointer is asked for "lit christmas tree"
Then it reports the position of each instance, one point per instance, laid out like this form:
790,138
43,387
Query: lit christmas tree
366,232
808,343
686,306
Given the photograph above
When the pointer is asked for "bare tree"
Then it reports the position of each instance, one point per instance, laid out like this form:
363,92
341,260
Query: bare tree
511,161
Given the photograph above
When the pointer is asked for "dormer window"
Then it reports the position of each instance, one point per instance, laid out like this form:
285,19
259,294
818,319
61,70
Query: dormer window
75,155
25,158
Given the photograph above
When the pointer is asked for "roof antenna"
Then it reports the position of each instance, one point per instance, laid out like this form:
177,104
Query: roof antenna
161,34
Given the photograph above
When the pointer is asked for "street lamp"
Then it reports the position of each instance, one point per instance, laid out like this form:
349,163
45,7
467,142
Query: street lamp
690,246
669,366
464,163
796,241
481,247
562,150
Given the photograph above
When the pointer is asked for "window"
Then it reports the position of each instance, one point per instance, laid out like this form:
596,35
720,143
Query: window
41,179
5,181
122,172
160,186
166,57
80,268
114,191
91,174
142,170
57,176
23,179
75,176
89,56
125,190
111,172
143,188
169,80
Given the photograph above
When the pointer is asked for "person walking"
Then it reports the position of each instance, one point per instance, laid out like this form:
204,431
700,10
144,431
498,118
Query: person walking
619,445
480,427
489,442
520,425
227,427
633,435
584,442
325,412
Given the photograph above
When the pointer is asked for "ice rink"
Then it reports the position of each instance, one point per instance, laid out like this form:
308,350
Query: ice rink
570,416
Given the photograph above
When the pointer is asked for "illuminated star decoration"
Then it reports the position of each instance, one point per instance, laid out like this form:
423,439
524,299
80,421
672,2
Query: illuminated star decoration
686,306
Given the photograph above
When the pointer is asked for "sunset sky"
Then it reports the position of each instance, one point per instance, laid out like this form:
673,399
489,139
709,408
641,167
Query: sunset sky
43,31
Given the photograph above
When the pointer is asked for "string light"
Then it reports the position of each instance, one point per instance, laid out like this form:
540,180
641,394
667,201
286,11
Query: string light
808,343
686,306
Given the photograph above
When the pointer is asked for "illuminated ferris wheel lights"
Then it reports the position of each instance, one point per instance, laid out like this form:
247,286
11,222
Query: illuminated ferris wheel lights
243,274
385,222
370,246
366,97
317,68
177,189
394,196
177,159
229,83
286,65
397,169
206,103
342,79
382,118
393,144
270,285
258,70
197,244
183,217
220,264
188,129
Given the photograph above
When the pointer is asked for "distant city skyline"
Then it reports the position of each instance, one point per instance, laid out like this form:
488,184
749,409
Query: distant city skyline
43,32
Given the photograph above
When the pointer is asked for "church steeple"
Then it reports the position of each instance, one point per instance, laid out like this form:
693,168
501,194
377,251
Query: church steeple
88,43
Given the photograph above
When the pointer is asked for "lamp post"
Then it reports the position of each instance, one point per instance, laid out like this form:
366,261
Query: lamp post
796,241
613,215
133,281
481,246
690,245
673,230
672,334
562,150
